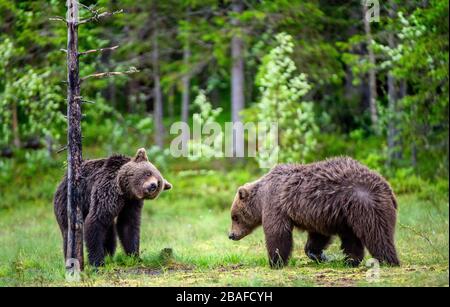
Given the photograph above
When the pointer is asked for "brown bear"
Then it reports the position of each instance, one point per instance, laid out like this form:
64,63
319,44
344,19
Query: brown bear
112,193
338,196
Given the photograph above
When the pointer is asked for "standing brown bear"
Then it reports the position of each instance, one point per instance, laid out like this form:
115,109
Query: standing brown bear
112,193
338,196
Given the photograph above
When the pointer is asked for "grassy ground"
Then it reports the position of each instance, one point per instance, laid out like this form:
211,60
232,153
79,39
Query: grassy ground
192,220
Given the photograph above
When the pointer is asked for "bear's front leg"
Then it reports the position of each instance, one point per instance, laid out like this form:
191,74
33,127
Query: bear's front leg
95,235
278,241
128,227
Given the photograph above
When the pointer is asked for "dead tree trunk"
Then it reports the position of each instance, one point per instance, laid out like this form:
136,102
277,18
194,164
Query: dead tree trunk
237,81
74,155
74,253
372,73
158,100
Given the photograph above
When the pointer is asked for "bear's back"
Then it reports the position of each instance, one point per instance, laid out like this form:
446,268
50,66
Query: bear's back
315,194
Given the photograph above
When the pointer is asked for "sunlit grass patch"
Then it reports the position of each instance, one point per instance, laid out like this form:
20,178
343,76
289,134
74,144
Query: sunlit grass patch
184,242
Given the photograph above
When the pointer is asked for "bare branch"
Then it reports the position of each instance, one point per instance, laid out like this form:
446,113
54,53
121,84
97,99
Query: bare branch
61,149
110,74
63,50
89,8
97,16
98,50
58,18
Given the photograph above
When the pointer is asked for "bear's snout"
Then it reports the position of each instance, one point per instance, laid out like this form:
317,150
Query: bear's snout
152,187
233,236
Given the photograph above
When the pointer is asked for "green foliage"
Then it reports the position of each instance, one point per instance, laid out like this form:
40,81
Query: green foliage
37,103
329,46
205,148
281,102
413,48
115,132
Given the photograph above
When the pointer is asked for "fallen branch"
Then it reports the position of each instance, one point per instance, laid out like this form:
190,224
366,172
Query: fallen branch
97,50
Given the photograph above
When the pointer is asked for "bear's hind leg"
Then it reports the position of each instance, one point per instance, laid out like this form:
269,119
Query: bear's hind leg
60,210
95,235
375,229
384,251
111,240
315,246
352,247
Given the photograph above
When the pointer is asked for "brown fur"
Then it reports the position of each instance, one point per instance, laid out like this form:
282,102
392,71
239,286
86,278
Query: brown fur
337,196
112,188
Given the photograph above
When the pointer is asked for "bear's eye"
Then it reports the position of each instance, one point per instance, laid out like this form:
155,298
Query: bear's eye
234,218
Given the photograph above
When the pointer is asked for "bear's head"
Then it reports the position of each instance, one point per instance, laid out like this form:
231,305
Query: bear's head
245,212
140,179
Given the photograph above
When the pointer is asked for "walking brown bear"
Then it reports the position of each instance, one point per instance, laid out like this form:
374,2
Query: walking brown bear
112,194
338,196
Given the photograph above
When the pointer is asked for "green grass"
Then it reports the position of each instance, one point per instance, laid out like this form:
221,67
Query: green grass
193,220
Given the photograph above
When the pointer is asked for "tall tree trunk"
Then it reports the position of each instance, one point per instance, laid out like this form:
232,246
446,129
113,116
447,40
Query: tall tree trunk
396,91
351,92
186,87
74,155
15,125
186,78
392,134
171,102
372,73
237,80
158,100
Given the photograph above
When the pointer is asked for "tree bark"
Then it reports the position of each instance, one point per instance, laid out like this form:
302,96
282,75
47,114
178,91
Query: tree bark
74,155
396,91
394,149
351,91
158,100
237,80
171,102
186,87
186,79
372,73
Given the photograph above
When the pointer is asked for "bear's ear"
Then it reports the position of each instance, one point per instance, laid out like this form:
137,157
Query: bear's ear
141,155
243,193
167,185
